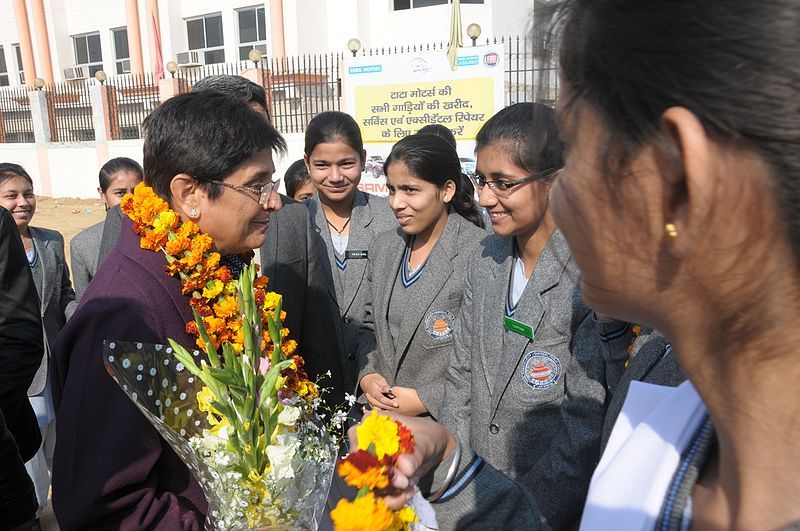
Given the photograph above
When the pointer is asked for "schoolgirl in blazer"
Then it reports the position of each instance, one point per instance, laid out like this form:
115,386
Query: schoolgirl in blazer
528,381
416,276
347,221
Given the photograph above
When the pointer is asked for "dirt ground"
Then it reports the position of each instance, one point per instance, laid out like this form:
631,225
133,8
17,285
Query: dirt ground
67,215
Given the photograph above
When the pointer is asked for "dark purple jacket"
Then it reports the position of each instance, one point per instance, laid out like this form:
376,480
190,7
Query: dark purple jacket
112,470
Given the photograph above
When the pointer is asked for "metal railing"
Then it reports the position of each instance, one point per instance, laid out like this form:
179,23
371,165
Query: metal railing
297,88
16,121
130,98
69,111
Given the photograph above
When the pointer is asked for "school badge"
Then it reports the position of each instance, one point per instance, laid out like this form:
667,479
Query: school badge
439,324
540,370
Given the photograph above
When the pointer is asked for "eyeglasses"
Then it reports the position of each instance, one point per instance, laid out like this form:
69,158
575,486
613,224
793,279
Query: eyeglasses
502,186
262,194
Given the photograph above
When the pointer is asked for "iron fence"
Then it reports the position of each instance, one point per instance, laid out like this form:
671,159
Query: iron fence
130,98
297,87
69,111
16,122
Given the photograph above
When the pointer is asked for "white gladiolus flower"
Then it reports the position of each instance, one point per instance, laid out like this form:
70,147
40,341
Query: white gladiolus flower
289,416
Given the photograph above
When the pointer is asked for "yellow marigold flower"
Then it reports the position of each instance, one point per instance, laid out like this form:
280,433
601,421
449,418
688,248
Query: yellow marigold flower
284,332
212,289
382,432
165,222
230,288
271,300
283,316
405,517
366,513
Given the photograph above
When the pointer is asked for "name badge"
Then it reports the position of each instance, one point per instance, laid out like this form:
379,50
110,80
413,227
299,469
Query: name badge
518,327
355,255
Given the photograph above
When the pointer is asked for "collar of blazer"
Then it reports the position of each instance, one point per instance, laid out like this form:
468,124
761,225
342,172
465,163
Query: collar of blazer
438,269
359,239
48,261
533,305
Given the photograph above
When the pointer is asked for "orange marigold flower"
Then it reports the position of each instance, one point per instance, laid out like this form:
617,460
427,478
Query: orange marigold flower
177,245
260,282
226,307
289,347
191,328
223,274
362,469
214,325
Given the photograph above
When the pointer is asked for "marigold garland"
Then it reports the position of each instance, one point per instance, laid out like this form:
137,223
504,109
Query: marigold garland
381,440
210,286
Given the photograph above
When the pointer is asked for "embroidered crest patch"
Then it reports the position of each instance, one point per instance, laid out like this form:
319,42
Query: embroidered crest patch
540,370
439,324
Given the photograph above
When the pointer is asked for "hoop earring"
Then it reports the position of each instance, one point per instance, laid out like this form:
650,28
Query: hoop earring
671,231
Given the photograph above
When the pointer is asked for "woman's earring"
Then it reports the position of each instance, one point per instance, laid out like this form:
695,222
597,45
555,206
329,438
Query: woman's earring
193,213
671,231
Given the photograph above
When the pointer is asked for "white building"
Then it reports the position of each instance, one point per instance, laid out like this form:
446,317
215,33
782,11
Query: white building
119,36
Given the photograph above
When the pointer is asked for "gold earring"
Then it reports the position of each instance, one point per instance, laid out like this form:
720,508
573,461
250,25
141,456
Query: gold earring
671,230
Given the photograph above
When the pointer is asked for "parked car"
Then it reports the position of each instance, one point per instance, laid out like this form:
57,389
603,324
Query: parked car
374,165
467,165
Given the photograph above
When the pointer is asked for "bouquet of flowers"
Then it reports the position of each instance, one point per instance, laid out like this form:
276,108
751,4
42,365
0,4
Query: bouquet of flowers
381,440
240,411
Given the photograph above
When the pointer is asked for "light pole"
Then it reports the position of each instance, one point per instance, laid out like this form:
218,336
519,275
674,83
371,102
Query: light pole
354,45
473,32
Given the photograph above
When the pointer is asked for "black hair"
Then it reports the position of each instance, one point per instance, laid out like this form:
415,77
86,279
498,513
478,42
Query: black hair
333,126
432,159
528,133
732,63
116,165
236,86
205,135
440,131
295,177
9,170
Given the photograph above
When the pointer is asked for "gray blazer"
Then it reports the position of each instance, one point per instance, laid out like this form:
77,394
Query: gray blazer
84,250
546,433
422,354
655,362
371,215
292,260
56,296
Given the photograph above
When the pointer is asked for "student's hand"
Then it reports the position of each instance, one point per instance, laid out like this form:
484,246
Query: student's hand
408,400
378,393
432,444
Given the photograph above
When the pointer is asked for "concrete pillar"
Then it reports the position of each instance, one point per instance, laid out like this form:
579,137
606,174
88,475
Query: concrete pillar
170,86
103,99
276,27
42,40
25,46
134,36
40,116
42,136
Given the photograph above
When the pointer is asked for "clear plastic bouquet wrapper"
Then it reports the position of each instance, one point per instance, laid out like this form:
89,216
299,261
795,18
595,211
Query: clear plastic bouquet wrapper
239,410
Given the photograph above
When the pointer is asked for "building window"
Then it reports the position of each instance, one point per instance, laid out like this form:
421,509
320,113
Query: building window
121,53
88,52
408,4
205,34
3,69
20,68
252,31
